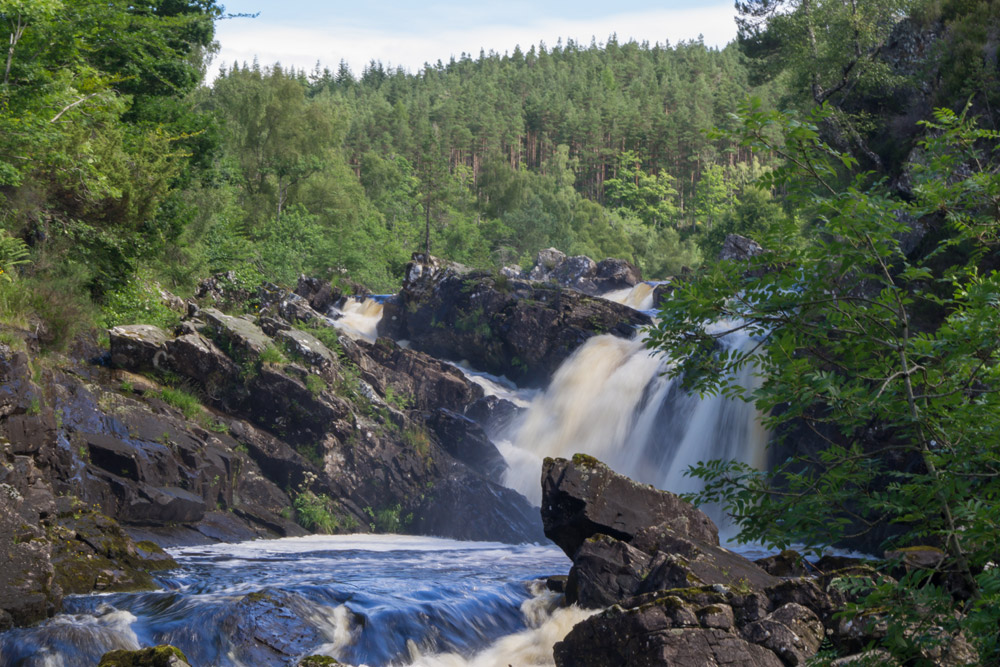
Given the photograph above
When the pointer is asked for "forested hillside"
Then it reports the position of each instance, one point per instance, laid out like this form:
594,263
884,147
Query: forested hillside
121,165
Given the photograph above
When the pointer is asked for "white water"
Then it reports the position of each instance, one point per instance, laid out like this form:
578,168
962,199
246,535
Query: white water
639,296
498,386
547,623
611,400
358,318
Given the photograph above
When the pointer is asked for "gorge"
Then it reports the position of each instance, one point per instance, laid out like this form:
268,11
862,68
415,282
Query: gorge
338,596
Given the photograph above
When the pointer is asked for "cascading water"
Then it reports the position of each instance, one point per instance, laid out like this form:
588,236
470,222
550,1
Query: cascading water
358,318
376,600
639,297
612,400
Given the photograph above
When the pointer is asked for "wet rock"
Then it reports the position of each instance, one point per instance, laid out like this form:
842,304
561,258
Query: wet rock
466,441
557,583
92,552
269,628
792,631
605,571
583,497
650,636
157,656
494,414
518,329
464,506
27,593
319,293
739,248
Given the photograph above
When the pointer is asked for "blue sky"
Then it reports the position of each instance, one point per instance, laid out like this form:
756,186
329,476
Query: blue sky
300,32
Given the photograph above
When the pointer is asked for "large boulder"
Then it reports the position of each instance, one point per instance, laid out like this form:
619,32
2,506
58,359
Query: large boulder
583,497
615,274
519,329
665,632
627,539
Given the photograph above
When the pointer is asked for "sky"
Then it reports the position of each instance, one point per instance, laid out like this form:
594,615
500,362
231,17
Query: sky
301,32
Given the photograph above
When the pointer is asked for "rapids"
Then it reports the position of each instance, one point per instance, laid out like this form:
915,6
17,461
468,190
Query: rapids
372,600
399,600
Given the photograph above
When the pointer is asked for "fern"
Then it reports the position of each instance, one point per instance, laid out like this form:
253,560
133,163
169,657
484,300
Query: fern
13,252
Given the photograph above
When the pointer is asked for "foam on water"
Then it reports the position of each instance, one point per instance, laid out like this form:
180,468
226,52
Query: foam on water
366,599
359,318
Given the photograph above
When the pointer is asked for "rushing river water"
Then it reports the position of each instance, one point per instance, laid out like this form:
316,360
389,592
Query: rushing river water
397,600
373,600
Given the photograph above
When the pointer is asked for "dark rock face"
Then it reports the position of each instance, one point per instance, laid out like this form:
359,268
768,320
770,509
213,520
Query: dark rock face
507,327
466,441
425,382
663,633
583,497
380,427
495,414
267,628
614,274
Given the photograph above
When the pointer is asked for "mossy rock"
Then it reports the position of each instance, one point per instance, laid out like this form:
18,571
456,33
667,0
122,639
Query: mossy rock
157,656
318,661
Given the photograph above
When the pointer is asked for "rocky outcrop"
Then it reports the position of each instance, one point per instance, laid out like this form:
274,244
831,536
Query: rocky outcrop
582,497
516,328
376,427
627,539
672,595
581,273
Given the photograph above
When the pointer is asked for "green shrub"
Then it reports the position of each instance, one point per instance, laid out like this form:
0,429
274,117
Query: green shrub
138,302
183,401
272,355
315,384
313,512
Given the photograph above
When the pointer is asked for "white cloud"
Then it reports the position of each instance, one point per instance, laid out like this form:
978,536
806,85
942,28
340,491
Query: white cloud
301,47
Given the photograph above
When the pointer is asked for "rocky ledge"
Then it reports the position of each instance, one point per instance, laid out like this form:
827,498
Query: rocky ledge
230,427
506,326
671,595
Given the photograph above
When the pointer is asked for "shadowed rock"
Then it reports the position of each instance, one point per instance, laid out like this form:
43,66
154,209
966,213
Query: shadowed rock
583,497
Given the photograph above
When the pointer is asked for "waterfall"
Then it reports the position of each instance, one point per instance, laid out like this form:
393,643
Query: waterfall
358,318
639,297
612,400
